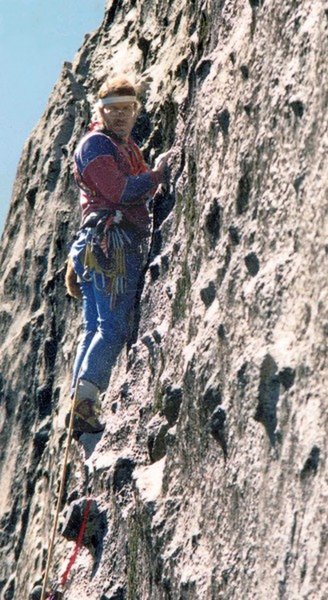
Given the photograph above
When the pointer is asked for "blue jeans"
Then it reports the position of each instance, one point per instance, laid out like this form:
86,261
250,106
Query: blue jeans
106,329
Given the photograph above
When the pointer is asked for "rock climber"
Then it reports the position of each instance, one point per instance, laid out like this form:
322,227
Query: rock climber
109,251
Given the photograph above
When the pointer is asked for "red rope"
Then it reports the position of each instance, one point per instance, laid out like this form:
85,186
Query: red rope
78,544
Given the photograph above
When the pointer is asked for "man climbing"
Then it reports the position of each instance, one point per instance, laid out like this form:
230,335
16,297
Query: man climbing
108,254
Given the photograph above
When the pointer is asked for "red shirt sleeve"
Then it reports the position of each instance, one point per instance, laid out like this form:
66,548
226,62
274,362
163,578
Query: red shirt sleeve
103,176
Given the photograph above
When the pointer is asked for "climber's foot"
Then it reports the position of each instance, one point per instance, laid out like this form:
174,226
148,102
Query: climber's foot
86,417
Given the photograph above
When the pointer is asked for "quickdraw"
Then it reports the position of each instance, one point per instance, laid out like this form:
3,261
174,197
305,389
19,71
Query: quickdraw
105,255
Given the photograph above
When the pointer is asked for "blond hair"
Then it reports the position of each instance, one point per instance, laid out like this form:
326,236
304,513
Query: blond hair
116,86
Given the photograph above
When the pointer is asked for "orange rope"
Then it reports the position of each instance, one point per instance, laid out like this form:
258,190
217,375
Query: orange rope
78,544
60,496
73,557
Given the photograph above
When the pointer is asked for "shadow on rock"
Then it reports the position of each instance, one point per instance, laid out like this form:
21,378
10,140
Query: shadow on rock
95,531
268,396
216,427
89,441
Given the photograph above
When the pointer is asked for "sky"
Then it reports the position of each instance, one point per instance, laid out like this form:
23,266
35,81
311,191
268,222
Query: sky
36,37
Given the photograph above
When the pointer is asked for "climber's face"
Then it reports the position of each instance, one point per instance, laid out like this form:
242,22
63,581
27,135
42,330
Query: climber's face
120,117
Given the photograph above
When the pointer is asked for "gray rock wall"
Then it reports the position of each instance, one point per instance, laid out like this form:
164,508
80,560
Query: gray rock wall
210,478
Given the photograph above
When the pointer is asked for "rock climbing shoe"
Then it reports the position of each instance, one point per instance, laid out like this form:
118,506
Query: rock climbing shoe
86,417
87,409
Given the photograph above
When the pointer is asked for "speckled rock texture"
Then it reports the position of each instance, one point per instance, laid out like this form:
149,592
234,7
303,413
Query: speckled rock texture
210,477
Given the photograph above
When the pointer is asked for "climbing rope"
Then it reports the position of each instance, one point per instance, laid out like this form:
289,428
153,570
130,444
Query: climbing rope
60,496
72,559
78,543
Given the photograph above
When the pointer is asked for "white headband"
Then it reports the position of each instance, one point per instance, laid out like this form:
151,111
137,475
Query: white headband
112,99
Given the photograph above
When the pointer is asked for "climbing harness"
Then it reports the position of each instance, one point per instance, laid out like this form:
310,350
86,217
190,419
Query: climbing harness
104,257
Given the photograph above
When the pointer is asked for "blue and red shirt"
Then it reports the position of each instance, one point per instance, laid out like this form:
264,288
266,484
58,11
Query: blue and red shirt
112,174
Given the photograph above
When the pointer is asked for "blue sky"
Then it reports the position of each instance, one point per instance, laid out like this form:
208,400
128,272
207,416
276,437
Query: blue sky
36,37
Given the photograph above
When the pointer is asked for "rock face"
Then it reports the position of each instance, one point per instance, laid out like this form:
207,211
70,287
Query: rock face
233,318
